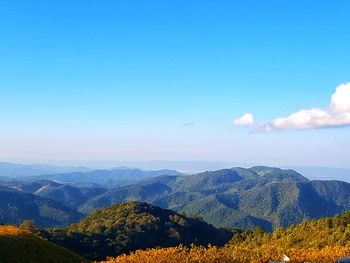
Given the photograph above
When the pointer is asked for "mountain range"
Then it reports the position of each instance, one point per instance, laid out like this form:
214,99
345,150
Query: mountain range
11,170
105,178
259,196
238,197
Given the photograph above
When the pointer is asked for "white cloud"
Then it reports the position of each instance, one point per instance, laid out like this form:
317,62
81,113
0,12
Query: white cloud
340,101
246,120
336,115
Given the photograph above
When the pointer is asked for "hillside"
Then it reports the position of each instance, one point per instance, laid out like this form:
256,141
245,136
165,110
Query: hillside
245,198
19,246
321,233
321,241
69,195
134,225
16,206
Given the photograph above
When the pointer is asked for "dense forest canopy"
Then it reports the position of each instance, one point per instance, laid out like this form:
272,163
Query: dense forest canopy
321,241
131,226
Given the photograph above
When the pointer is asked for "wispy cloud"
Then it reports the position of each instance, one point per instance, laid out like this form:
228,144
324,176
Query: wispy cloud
246,120
336,115
187,124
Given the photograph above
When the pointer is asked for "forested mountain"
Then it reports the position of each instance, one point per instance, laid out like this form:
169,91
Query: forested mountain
16,206
259,196
244,198
134,225
153,234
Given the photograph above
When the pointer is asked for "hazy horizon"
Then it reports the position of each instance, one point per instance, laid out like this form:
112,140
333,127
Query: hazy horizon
181,166
190,167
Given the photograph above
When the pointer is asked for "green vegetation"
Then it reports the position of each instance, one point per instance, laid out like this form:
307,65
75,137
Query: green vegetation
146,229
17,206
131,226
20,246
321,233
321,241
29,226
243,198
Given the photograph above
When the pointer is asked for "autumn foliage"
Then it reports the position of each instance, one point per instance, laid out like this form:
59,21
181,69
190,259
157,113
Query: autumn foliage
231,254
321,241
19,245
10,231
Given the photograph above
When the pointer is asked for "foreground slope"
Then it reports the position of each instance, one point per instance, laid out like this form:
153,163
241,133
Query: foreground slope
321,241
134,225
19,246
244,198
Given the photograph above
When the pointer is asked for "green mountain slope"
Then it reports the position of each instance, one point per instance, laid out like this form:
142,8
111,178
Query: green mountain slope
134,225
18,246
69,195
320,233
238,197
17,206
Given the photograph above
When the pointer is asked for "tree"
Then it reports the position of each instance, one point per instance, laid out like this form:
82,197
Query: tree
28,225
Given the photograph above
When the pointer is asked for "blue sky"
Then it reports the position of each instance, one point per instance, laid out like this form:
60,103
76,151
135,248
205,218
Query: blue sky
117,80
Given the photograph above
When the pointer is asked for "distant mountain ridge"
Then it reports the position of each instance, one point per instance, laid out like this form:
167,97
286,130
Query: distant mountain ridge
239,197
106,178
11,170
78,176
